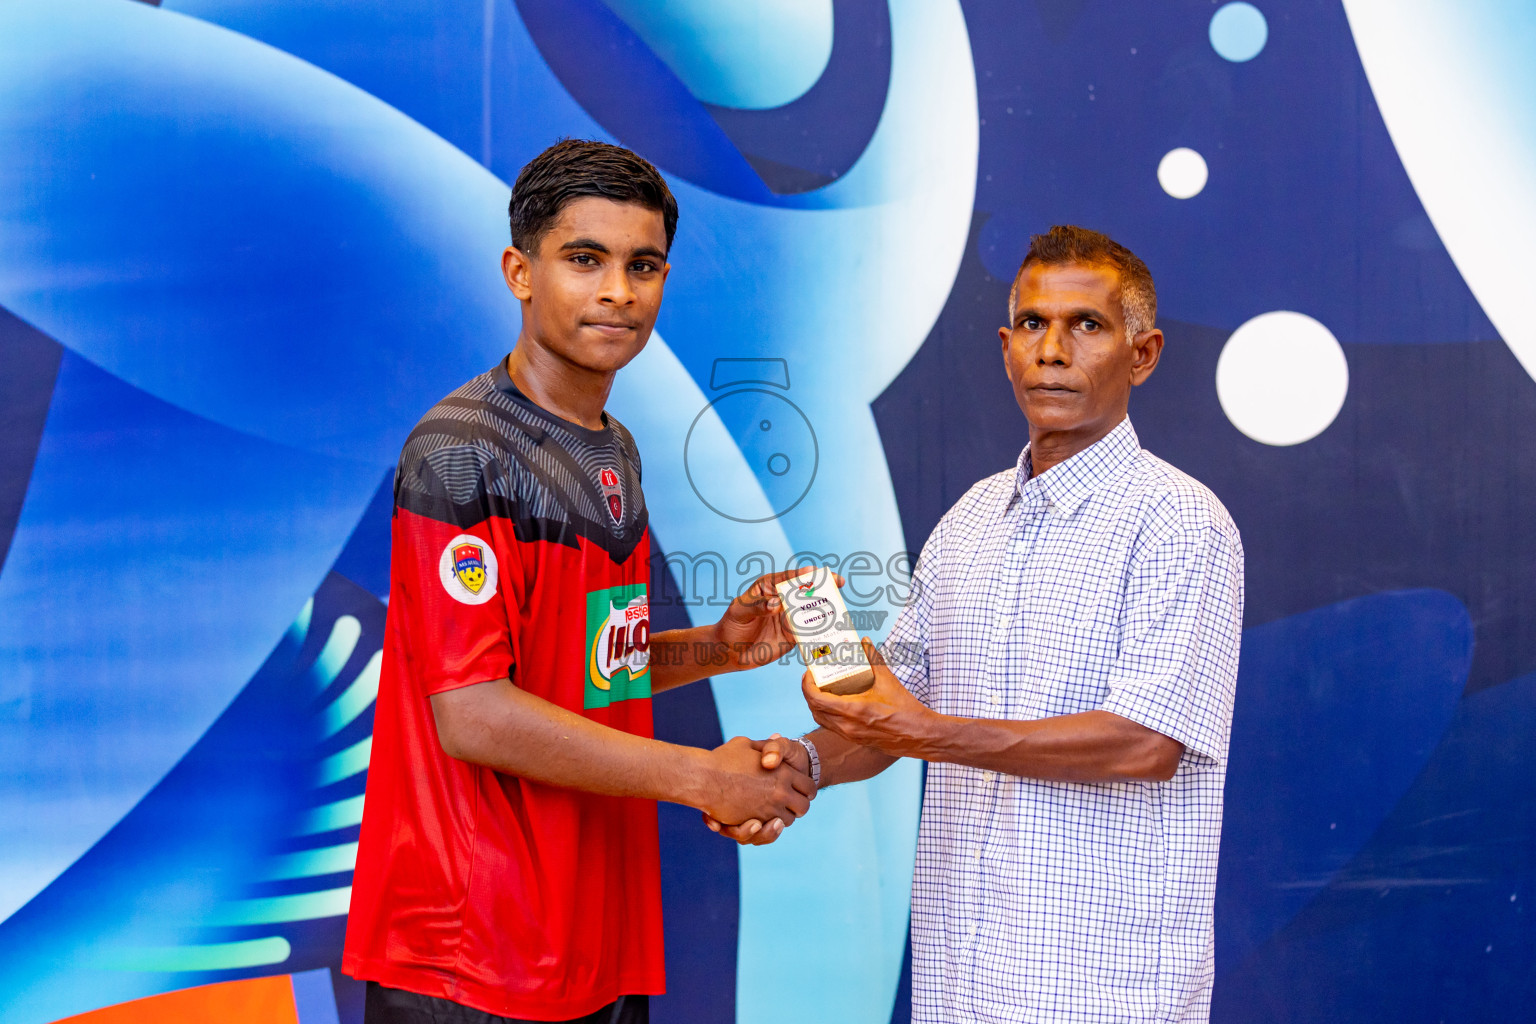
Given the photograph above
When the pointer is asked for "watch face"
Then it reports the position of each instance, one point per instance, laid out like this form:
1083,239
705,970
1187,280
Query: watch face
779,446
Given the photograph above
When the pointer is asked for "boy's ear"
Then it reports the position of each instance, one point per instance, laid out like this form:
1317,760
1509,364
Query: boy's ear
517,270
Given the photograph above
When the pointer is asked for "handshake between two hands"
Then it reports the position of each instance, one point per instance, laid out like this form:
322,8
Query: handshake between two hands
767,782
783,767
759,787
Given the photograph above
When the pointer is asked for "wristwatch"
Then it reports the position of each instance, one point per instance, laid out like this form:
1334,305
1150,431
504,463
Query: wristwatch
810,751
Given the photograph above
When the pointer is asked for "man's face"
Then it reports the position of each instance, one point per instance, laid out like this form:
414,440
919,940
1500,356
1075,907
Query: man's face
1066,352
591,296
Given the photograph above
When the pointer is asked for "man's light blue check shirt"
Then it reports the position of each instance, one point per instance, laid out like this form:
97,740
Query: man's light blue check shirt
1111,581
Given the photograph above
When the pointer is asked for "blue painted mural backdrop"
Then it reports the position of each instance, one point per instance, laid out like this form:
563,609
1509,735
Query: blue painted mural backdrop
244,244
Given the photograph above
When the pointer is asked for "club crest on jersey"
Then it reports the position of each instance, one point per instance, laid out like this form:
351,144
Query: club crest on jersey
469,566
467,570
610,482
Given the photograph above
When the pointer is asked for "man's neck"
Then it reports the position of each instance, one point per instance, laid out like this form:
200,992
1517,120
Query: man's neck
1051,448
558,386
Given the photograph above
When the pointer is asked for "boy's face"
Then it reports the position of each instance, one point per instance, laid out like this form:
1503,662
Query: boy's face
591,295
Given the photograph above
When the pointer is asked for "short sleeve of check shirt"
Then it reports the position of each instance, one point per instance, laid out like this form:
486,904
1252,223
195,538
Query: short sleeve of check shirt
1177,619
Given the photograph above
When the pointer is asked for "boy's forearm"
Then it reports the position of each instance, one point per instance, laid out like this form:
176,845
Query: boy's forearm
502,726
680,656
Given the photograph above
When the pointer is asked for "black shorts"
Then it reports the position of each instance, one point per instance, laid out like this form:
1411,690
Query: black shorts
396,1006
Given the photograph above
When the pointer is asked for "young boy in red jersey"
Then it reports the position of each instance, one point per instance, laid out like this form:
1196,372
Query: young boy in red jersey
507,867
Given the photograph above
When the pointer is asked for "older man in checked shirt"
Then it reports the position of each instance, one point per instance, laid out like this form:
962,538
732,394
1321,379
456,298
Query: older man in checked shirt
1066,665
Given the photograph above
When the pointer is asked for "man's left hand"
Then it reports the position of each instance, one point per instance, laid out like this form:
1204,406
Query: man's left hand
886,716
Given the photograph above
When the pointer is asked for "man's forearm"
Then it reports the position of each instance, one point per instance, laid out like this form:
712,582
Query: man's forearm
506,728
845,761
1093,746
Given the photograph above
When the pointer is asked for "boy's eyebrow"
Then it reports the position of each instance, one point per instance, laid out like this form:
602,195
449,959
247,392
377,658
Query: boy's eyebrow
585,243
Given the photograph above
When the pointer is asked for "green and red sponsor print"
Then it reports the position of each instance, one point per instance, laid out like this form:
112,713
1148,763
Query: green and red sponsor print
618,645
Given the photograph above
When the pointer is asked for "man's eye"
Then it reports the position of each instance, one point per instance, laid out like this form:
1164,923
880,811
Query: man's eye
584,259
642,267
1033,323
1089,325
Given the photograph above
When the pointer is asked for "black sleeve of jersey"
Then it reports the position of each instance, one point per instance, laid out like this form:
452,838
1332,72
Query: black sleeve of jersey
455,484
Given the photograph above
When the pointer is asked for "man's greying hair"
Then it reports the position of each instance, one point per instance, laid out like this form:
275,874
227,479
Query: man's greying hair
1067,243
574,169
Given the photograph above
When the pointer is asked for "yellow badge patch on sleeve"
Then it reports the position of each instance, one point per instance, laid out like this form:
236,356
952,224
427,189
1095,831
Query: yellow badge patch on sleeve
468,570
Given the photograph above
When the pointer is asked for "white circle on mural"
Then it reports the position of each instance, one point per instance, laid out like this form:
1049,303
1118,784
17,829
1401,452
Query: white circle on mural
1282,378
1182,173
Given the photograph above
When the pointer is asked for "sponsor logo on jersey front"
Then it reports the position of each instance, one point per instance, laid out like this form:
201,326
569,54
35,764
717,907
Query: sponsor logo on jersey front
618,645
467,569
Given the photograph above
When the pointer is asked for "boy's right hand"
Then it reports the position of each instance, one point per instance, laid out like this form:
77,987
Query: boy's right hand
744,787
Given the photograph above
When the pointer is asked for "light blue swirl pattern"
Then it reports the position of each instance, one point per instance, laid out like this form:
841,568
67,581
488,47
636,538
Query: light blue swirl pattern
309,269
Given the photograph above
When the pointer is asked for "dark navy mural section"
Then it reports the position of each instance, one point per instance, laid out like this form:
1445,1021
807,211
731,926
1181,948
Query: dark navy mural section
246,244
1351,755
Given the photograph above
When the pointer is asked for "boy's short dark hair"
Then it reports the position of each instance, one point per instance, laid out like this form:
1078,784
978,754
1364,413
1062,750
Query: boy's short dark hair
575,169
1068,243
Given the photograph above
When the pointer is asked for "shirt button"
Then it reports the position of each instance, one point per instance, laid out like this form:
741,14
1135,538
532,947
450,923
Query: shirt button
988,777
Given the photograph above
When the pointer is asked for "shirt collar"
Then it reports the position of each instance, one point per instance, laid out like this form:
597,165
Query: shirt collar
504,383
1067,484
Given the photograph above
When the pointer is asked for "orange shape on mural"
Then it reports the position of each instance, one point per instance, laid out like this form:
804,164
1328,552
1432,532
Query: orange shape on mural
251,1001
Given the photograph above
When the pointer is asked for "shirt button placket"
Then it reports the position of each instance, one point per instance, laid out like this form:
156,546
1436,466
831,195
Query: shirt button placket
996,678
1005,615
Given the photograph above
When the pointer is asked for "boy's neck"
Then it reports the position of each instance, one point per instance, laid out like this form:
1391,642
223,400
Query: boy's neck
558,386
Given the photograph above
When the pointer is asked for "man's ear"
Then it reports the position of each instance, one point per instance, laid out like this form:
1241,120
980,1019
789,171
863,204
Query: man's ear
1003,333
1146,350
517,269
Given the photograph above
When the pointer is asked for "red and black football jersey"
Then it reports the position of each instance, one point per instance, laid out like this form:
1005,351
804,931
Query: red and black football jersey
520,550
